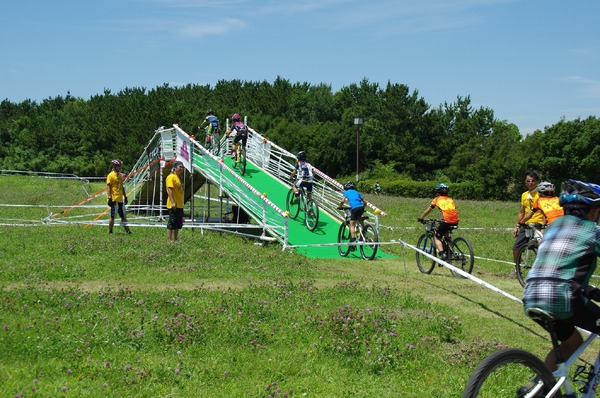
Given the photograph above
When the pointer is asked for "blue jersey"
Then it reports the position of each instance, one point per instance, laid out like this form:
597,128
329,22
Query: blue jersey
355,199
214,123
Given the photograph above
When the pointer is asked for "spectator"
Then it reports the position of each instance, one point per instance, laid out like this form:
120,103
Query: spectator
175,201
117,197
528,198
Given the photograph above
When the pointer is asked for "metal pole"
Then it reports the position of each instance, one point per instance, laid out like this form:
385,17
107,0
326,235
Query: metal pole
357,142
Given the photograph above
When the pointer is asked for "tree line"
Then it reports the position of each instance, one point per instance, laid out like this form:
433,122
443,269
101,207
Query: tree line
402,138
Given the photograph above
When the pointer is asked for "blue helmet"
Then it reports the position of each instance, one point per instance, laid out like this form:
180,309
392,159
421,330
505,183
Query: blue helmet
442,189
579,194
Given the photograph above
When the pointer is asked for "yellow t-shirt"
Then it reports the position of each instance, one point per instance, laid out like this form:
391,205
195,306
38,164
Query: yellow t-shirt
527,201
174,182
448,207
115,180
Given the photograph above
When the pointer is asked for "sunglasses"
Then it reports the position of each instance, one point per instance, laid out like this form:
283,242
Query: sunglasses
530,180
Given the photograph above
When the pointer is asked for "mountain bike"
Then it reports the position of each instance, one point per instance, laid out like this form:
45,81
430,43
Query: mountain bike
457,251
310,208
527,253
367,237
212,140
238,158
518,373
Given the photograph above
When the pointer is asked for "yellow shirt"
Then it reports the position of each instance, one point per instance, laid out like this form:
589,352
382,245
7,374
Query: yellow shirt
527,201
115,180
174,182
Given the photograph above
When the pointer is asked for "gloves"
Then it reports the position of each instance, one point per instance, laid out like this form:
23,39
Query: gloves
420,220
125,200
110,202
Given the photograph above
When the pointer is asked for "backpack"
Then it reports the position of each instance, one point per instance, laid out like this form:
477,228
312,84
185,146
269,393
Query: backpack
242,130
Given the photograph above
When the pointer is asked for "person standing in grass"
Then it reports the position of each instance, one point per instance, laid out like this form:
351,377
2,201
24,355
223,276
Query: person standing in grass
528,198
174,201
449,215
117,197
548,203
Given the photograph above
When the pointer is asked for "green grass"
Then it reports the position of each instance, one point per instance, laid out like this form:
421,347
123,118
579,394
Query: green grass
88,315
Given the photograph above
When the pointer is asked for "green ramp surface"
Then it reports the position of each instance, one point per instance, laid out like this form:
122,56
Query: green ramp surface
327,228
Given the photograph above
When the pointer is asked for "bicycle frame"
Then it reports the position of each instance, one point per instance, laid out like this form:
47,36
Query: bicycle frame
562,373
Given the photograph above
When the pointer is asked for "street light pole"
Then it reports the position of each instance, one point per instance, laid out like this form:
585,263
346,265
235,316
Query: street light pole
357,121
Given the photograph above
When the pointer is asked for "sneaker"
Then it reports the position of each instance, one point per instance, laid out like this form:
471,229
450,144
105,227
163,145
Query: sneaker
352,244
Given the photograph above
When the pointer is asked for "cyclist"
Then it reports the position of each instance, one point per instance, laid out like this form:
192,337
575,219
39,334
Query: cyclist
117,198
303,174
558,282
548,203
377,188
241,134
212,124
357,207
449,215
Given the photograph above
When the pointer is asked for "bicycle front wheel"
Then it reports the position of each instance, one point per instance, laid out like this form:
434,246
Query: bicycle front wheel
427,245
369,235
311,215
507,372
344,237
462,255
292,204
525,258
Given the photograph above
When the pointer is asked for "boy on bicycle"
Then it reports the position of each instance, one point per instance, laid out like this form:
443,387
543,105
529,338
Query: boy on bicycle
357,207
449,215
241,135
303,171
212,124
558,282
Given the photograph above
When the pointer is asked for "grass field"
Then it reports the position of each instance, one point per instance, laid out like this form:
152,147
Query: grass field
84,314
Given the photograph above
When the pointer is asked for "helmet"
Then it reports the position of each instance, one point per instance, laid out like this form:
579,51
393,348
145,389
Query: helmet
209,112
442,189
301,155
116,162
236,116
579,194
545,188
349,185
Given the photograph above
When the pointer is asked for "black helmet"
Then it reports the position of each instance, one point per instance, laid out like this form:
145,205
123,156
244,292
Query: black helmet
349,185
209,112
579,194
442,189
301,155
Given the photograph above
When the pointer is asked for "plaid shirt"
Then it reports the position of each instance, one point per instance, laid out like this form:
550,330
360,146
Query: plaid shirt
568,252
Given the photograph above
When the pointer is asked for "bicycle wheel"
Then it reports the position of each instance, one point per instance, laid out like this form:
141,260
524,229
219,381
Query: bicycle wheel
425,263
311,215
525,258
461,255
369,235
292,205
505,372
243,161
344,237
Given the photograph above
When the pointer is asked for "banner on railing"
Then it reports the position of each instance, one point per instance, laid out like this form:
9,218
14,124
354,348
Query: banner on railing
183,150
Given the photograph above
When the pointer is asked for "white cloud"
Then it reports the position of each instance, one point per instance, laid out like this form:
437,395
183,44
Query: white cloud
589,87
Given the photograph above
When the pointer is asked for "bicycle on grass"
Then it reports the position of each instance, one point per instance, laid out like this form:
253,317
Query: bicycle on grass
310,208
238,158
367,237
518,373
457,251
527,253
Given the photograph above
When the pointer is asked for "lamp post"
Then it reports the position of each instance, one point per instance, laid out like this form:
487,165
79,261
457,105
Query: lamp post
357,121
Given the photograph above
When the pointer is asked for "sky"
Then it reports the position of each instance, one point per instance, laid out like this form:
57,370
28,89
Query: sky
533,62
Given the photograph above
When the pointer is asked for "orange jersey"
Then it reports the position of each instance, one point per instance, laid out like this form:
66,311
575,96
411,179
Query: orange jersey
550,206
448,207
